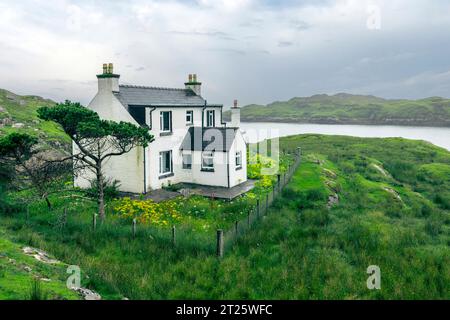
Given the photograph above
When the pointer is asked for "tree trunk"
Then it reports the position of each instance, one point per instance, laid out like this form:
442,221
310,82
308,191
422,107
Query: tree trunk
101,194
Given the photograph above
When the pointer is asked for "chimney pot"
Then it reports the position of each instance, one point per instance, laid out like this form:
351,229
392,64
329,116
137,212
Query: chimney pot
105,68
190,77
110,68
195,77
235,103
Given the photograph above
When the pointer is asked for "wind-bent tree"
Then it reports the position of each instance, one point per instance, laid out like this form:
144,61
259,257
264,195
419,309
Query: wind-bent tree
30,167
96,139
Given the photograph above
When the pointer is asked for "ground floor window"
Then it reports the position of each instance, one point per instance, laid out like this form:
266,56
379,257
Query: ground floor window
165,162
239,160
187,161
208,160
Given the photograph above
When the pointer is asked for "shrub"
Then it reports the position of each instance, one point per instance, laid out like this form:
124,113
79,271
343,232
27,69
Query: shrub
149,212
36,292
318,194
110,189
443,200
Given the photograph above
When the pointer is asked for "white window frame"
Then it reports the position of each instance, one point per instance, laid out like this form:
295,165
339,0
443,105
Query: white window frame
238,156
185,165
210,118
208,155
161,161
189,114
161,121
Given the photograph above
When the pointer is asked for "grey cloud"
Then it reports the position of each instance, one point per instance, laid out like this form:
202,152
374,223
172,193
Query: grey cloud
284,44
215,34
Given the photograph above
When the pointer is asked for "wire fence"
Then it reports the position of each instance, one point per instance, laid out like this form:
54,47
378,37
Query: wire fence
226,238
177,236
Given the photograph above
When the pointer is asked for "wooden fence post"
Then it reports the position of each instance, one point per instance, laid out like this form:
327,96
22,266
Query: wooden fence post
236,225
134,228
220,243
94,221
267,202
248,219
257,207
174,238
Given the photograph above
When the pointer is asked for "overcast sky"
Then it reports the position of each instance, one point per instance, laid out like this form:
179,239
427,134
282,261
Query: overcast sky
255,51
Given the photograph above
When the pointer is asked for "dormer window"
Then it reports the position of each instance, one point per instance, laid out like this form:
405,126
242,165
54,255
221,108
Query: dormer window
210,118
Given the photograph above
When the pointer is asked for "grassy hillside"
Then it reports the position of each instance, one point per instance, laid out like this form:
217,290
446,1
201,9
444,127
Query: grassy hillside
392,211
352,109
19,272
19,113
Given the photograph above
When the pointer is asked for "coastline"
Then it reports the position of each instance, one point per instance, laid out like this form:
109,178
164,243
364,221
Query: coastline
443,124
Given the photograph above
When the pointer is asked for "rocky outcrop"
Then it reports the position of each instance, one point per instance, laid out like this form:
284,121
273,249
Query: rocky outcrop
380,169
333,200
394,193
88,294
39,255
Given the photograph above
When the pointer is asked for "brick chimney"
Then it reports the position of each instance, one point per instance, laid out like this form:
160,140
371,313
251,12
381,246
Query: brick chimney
193,84
108,81
235,115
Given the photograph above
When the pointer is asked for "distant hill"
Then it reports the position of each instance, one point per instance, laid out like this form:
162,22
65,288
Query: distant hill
345,108
19,113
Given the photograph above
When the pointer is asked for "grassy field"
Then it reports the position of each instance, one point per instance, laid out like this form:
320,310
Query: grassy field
393,211
352,109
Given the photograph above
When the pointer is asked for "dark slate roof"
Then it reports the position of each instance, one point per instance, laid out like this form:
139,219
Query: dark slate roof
209,139
153,96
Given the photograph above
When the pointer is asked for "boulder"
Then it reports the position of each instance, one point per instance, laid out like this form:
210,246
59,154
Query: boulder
88,294
39,255
18,125
333,200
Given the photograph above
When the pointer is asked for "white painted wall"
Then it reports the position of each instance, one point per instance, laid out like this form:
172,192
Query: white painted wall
238,176
128,168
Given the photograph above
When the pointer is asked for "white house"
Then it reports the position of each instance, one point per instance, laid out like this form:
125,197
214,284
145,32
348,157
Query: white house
192,143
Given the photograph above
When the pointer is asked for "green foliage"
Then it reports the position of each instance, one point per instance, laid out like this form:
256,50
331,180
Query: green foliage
110,189
17,145
97,139
81,123
17,282
36,291
295,252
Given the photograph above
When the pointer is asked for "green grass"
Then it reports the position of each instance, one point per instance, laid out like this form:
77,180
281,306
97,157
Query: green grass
16,283
301,250
352,109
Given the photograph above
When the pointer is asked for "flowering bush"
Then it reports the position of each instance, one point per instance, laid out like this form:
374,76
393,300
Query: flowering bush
149,212
196,211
